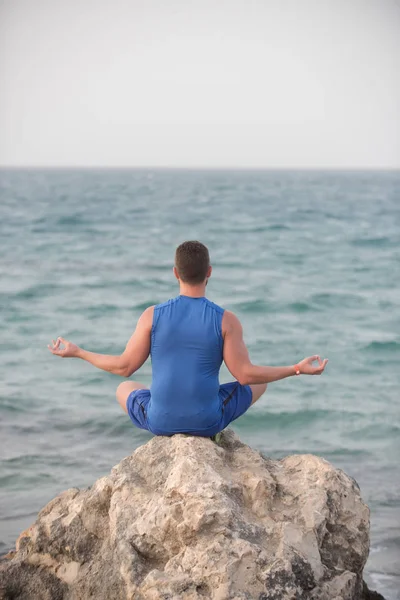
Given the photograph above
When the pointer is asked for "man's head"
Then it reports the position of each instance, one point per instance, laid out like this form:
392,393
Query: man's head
192,263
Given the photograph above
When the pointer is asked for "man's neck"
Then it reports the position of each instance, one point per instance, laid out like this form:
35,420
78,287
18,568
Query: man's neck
193,291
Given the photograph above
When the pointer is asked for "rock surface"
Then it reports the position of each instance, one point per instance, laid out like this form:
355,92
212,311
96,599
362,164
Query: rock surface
183,517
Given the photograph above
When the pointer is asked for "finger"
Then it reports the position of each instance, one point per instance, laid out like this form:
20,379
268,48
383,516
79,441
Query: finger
53,350
322,366
311,359
62,340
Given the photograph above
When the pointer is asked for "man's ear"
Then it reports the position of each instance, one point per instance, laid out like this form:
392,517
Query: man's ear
209,272
175,273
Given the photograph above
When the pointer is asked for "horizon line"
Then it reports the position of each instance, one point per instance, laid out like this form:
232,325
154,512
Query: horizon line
196,168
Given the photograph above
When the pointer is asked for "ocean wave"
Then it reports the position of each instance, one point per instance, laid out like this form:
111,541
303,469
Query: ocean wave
288,419
37,291
373,241
346,452
376,431
145,282
96,427
71,220
278,227
337,300
100,309
146,304
253,306
10,405
13,482
300,307
259,228
382,346
154,266
221,264
392,502
45,460
18,515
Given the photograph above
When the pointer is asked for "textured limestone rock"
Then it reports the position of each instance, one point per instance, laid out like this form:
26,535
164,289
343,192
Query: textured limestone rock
183,517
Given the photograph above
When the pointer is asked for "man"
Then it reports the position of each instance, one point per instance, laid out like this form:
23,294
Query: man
188,337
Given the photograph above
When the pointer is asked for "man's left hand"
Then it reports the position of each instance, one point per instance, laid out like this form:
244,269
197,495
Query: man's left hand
69,351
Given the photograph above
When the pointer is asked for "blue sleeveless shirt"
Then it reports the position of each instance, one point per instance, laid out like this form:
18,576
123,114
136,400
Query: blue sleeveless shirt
186,354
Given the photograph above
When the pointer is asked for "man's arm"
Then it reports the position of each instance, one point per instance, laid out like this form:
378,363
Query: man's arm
134,356
236,357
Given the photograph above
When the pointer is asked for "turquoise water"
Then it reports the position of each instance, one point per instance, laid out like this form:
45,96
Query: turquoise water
309,261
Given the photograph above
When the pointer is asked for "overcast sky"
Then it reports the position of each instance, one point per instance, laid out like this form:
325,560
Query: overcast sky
219,83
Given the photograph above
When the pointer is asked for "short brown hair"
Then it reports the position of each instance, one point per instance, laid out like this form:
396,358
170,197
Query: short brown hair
192,261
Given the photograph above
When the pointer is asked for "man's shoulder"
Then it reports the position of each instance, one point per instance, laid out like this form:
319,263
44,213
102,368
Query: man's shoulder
214,306
230,322
166,303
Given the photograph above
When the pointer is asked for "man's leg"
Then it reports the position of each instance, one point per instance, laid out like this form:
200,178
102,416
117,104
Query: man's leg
124,389
236,400
257,390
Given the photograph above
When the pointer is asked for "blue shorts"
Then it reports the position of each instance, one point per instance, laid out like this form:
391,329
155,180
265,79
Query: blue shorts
235,400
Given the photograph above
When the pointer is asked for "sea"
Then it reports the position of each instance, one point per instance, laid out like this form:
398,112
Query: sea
308,260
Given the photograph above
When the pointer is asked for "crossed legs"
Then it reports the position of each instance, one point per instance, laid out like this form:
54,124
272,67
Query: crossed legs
124,389
257,390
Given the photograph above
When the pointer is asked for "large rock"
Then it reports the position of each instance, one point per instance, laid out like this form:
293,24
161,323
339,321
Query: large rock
183,517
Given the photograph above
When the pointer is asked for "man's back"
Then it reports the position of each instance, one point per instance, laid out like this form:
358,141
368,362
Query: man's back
188,337
186,353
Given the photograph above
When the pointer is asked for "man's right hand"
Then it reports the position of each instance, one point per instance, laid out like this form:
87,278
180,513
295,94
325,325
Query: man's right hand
306,366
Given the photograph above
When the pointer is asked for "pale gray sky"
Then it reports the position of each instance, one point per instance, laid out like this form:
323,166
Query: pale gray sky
220,83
